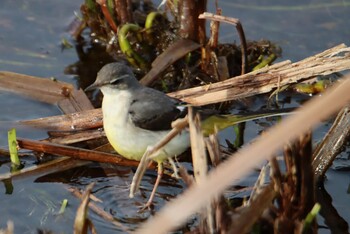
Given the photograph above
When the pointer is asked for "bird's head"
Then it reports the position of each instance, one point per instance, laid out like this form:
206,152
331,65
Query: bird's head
114,76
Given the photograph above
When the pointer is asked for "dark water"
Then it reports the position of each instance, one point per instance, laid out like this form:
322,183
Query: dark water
30,36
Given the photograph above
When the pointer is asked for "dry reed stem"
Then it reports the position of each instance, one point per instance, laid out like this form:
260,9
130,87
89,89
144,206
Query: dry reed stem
55,165
82,222
177,126
98,210
248,215
74,152
75,121
236,167
269,78
261,81
75,137
238,25
199,157
199,162
332,144
46,90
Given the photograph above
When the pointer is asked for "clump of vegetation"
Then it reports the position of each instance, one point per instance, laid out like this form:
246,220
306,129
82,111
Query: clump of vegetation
140,33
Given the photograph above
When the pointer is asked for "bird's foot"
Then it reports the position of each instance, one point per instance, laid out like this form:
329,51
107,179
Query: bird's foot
148,206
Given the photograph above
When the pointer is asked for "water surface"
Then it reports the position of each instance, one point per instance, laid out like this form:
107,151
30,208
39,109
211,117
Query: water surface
30,36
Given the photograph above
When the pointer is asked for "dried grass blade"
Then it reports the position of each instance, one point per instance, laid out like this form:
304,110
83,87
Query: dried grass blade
174,52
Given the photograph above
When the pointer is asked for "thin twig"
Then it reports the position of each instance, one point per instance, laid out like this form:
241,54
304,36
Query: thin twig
178,126
238,25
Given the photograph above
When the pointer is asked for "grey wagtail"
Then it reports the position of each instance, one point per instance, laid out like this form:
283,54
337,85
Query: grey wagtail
136,117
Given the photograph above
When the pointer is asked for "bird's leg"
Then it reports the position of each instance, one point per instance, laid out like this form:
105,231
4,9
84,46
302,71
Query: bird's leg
159,176
136,180
176,171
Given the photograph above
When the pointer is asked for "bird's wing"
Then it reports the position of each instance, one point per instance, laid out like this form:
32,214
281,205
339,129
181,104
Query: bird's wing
154,110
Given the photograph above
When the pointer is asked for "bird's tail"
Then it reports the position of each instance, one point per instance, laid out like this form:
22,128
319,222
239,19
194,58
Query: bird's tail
220,122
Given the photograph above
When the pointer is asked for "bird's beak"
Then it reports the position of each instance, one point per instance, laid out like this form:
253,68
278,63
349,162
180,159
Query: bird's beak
92,87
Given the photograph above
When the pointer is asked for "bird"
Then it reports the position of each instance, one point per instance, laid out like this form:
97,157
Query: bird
136,117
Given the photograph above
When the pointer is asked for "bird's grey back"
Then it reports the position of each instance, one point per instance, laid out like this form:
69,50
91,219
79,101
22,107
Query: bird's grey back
154,110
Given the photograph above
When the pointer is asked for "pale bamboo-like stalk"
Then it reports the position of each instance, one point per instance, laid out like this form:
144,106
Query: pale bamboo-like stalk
238,166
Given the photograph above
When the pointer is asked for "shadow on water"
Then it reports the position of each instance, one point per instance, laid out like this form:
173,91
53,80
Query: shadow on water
30,35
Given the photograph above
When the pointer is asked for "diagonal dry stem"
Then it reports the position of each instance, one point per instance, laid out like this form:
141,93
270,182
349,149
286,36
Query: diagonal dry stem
178,126
238,166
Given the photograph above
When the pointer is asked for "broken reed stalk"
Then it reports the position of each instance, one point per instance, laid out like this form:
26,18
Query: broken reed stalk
98,210
55,165
73,137
46,90
199,162
238,25
82,223
269,78
199,157
307,193
332,144
74,152
257,82
246,216
295,189
237,166
69,122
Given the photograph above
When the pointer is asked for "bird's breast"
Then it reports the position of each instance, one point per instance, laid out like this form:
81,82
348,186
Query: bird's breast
115,107
129,140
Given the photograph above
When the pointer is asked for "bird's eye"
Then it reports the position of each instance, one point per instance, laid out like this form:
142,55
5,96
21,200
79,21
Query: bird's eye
116,81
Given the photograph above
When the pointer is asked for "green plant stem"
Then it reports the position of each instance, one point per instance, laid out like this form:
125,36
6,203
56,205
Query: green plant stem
12,140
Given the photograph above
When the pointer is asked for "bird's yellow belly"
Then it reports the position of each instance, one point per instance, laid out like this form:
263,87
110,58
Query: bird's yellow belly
132,142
